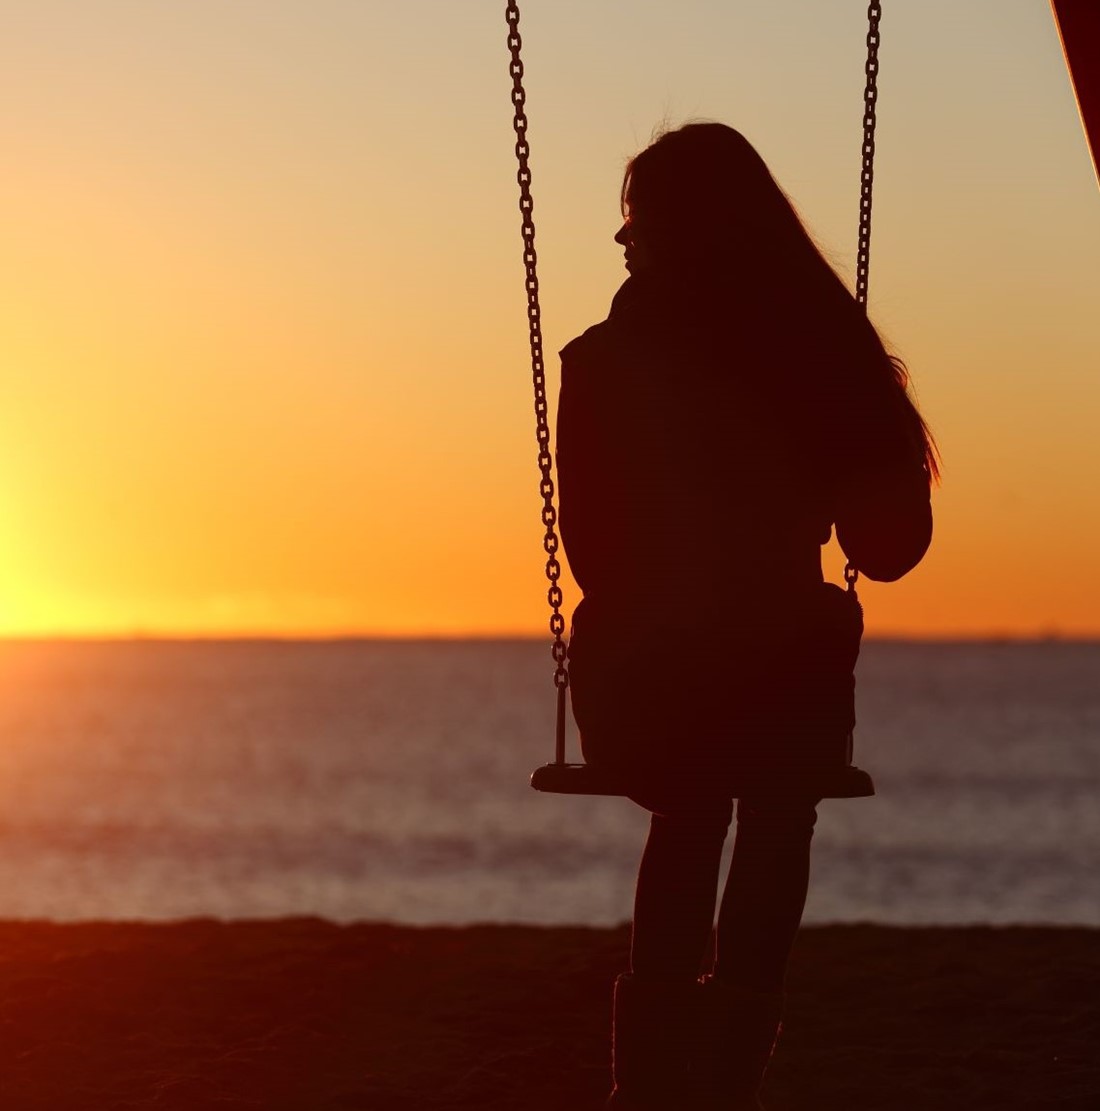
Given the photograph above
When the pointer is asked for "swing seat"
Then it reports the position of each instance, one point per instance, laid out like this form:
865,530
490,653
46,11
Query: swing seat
846,782
575,779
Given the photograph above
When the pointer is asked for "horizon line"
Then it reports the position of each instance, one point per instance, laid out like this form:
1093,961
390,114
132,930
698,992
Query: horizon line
224,637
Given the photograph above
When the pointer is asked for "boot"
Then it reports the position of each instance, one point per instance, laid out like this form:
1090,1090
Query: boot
650,1033
736,1033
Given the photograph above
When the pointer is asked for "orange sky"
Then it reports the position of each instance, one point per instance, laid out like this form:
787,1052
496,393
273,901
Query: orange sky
261,306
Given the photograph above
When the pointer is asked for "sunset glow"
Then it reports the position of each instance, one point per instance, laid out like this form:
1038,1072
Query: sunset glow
262,320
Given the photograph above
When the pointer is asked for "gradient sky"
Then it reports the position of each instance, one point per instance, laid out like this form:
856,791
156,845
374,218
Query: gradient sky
262,318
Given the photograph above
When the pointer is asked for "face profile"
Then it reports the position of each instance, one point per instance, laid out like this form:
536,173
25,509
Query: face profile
635,256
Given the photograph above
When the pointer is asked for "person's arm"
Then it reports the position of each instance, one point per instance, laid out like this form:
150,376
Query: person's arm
884,520
883,509
578,511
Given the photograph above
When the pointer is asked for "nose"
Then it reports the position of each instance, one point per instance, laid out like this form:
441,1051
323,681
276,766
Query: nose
622,236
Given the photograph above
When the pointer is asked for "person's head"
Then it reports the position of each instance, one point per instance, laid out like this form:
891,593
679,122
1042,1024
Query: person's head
700,205
701,199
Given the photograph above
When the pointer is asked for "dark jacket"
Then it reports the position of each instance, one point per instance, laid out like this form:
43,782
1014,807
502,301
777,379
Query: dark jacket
706,446
700,450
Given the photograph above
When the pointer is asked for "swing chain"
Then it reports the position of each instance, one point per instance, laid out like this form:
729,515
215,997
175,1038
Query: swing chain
867,172
866,184
538,369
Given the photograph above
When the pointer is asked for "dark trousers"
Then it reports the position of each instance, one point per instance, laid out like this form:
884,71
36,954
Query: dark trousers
762,902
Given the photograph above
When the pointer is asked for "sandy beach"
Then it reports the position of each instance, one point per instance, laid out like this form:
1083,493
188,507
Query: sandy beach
304,1015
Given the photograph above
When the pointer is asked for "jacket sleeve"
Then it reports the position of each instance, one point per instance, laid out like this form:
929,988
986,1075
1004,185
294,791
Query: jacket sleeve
884,523
883,511
589,495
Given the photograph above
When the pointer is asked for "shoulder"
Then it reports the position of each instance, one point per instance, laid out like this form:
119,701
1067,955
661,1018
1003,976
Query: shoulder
603,344
590,349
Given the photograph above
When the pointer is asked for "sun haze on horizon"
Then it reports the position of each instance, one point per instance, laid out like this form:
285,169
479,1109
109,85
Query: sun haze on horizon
264,336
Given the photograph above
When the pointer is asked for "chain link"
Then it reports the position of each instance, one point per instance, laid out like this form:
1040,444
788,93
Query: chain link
867,171
538,370
866,183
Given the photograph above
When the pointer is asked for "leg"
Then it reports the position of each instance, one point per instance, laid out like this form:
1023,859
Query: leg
673,918
676,891
765,891
741,1005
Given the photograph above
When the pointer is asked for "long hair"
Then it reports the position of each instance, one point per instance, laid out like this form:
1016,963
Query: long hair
709,208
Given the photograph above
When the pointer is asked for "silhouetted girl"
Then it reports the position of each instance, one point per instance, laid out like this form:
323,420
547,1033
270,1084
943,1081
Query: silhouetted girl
734,407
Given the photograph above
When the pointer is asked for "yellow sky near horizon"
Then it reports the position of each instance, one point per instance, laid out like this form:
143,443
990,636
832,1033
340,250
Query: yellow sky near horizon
261,310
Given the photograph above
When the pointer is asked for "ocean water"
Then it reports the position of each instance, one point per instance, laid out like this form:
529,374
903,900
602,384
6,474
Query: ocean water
388,780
